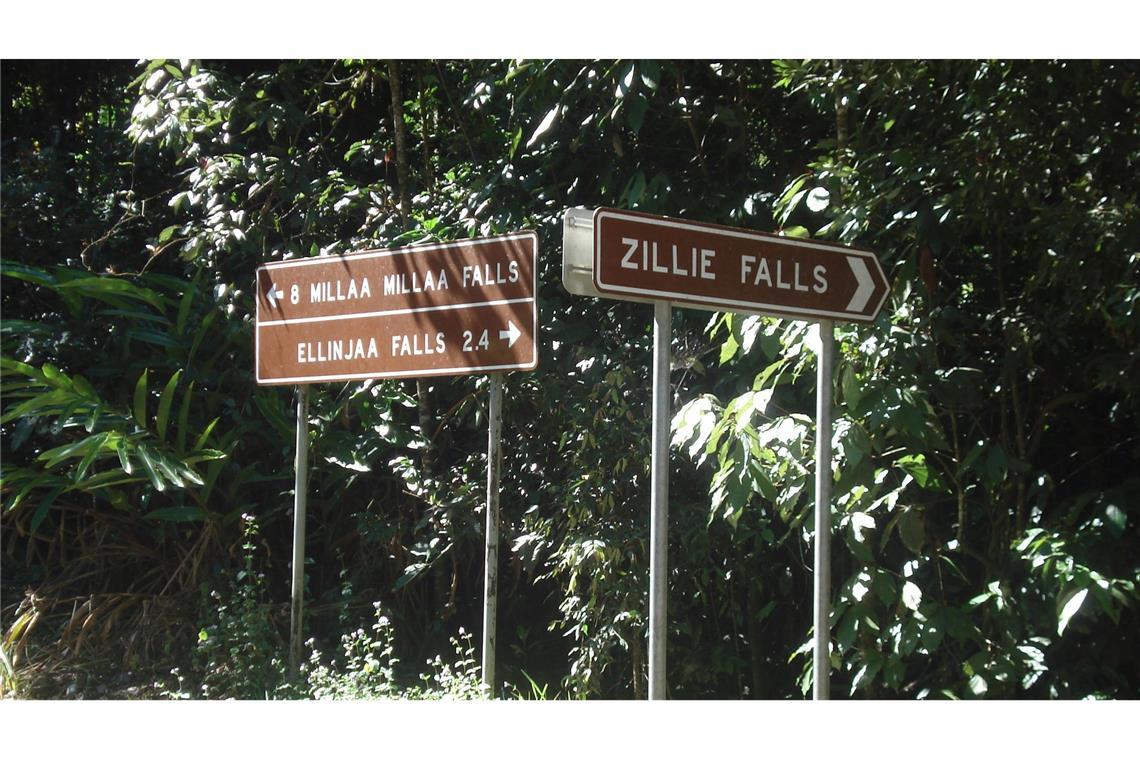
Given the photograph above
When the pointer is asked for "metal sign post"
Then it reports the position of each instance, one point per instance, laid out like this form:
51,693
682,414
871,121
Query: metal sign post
491,558
459,308
631,256
821,661
300,503
659,499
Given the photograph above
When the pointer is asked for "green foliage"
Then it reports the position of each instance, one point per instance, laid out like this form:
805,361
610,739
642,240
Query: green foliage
984,483
9,684
955,501
368,670
239,651
238,654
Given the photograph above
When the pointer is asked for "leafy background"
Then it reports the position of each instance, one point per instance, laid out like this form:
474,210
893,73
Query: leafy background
985,513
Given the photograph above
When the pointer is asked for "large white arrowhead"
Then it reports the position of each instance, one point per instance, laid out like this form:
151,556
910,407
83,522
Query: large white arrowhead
511,334
866,284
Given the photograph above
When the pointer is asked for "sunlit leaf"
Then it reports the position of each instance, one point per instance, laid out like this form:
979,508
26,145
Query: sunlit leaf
1070,608
543,126
911,596
818,199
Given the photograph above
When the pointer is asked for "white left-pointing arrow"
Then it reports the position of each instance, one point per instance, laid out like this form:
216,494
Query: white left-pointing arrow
866,284
273,295
511,334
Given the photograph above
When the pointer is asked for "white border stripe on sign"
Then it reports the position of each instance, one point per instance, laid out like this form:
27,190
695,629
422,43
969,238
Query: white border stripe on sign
410,250
392,312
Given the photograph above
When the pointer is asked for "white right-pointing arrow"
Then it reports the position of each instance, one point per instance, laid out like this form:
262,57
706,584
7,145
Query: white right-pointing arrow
866,284
511,334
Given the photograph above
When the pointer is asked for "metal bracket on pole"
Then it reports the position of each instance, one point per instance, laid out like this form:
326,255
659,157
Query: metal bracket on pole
300,503
659,499
821,662
491,560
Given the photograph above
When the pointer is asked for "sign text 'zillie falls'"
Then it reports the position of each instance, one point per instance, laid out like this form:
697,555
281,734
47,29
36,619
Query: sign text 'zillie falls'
636,256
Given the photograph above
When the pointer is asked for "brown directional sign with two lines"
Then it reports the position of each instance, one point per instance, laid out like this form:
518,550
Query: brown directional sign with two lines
725,268
455,308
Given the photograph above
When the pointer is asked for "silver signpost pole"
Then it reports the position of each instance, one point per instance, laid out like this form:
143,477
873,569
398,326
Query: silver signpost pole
300,502
821,681
659,499
491,560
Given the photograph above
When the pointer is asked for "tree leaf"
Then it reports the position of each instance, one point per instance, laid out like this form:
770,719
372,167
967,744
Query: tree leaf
151,470
45,505
189,474
867,673
728,349
112,290
184,418
911,596
544,125
818,199
97,443
635,109
912,531
20,271
140,399
861,524
1117,519
124,460
198,444
650,72
625,83
164,402
169,469
915,465
167,233
76,448
1069,609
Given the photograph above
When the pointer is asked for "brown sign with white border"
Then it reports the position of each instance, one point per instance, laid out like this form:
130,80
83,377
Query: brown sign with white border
457,308
725,268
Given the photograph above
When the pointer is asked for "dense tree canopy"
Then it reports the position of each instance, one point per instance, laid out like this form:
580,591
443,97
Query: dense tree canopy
986,493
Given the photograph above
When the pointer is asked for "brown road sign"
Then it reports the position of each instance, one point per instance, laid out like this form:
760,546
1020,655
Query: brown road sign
725,268
447,309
